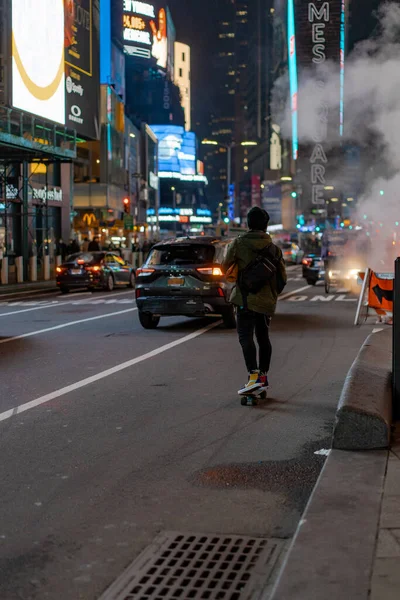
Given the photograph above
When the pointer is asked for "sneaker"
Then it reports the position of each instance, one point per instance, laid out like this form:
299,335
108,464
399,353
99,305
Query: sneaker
253,384
264,381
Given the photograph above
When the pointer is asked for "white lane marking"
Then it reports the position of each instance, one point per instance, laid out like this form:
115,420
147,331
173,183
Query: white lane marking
89,380
306,287
323,452
64,325
377,330
72,302
39,293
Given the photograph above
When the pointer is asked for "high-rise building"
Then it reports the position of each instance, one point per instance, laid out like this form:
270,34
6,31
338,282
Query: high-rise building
182,80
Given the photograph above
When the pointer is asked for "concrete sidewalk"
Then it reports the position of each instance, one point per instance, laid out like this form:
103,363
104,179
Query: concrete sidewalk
385,582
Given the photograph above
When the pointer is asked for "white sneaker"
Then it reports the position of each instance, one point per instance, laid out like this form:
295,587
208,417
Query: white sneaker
254,383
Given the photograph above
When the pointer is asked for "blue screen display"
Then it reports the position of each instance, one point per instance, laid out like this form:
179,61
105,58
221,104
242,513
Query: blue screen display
176,149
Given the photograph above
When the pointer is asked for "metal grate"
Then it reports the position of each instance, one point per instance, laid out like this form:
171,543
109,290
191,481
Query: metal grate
202,567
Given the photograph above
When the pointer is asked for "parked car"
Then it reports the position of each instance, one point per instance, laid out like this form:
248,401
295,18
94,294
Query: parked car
92,270
292,254
184,277
313,268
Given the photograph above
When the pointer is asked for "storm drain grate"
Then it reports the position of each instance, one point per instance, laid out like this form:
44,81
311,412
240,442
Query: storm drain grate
203,567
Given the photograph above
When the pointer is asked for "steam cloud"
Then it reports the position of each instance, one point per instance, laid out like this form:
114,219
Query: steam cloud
372,116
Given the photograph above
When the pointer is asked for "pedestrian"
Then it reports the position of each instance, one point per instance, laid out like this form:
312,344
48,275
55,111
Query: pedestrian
85,245
62,249
94,245
73,247
255,309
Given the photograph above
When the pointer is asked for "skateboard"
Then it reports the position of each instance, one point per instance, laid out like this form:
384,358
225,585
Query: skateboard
251,399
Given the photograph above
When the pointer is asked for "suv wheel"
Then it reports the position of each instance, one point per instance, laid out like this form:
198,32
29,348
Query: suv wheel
147,320
132,280
229,318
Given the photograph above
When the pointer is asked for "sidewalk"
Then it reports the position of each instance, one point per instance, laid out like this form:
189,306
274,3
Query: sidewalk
385,583
26,288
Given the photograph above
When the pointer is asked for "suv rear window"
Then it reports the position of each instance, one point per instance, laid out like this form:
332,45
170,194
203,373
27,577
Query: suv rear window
182,255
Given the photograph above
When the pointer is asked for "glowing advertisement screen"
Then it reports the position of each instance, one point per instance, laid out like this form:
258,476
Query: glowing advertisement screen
342,55
293,77
176,150
38,65
144,31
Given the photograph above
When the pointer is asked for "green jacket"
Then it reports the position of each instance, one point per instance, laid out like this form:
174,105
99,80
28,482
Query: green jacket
241,252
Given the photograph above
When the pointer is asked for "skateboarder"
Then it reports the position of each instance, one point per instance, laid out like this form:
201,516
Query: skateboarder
255,310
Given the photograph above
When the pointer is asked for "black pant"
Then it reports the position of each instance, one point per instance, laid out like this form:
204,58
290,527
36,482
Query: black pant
248,322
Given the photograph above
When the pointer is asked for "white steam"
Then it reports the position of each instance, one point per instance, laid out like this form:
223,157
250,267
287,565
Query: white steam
372,116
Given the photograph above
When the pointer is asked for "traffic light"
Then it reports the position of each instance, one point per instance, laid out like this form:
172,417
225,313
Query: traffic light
294,194
127,205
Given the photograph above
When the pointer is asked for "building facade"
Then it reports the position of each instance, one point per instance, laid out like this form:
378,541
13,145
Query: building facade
182,78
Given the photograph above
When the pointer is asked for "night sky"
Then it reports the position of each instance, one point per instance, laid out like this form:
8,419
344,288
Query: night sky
195,23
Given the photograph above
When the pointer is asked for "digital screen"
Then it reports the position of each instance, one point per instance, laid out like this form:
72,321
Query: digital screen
38,66
82,68
176,150
144,31
293,77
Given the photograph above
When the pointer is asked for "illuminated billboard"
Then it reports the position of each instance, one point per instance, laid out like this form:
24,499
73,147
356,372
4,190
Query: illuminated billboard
82,68
58,77
144,31
38,66
293,78
176,150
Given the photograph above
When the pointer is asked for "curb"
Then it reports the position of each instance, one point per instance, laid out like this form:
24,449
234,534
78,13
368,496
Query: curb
332,553
364,415
22,288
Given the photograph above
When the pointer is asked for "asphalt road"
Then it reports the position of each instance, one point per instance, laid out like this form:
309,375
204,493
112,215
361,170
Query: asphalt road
110,434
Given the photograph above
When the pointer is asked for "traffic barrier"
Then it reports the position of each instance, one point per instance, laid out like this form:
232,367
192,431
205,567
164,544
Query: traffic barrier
4,270
33,269
376,294
19,266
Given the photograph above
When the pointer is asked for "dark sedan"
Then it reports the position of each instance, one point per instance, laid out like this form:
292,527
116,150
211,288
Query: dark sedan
93,270
313,268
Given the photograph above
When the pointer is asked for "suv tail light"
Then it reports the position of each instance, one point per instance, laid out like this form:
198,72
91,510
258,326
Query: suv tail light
216,271
307,261
221,293
145,272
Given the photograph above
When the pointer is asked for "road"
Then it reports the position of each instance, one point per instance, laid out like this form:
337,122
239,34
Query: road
110,434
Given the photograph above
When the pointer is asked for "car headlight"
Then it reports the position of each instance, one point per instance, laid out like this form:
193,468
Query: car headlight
353,273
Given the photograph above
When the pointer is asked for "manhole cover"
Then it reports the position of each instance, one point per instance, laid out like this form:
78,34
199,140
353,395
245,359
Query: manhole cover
204,567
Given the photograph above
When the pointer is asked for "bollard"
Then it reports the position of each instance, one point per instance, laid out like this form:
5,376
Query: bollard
58,260
46,268
396,340
19,266
4,271
33,269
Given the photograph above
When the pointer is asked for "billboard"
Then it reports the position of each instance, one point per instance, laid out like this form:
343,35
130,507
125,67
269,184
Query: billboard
144,31
293,78
82,68
38,67
58,78
176,150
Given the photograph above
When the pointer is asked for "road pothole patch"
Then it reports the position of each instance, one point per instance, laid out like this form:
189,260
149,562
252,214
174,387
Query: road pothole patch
199,566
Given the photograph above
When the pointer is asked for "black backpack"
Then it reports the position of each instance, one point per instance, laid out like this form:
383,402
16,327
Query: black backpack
260,271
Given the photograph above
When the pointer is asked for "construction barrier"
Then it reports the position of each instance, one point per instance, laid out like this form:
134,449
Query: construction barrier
376,294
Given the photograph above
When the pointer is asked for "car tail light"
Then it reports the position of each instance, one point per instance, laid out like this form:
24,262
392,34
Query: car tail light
80,262
96,268
145,272
216,271
138,293
307,261
60,270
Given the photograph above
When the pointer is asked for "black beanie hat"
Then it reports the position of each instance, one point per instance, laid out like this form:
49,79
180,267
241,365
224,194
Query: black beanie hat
257,219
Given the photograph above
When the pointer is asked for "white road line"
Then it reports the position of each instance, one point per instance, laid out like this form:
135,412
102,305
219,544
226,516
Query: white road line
306,287
57,303
64,325
89,380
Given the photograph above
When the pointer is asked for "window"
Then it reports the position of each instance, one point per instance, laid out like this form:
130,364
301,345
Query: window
183,57
180,72
182,255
